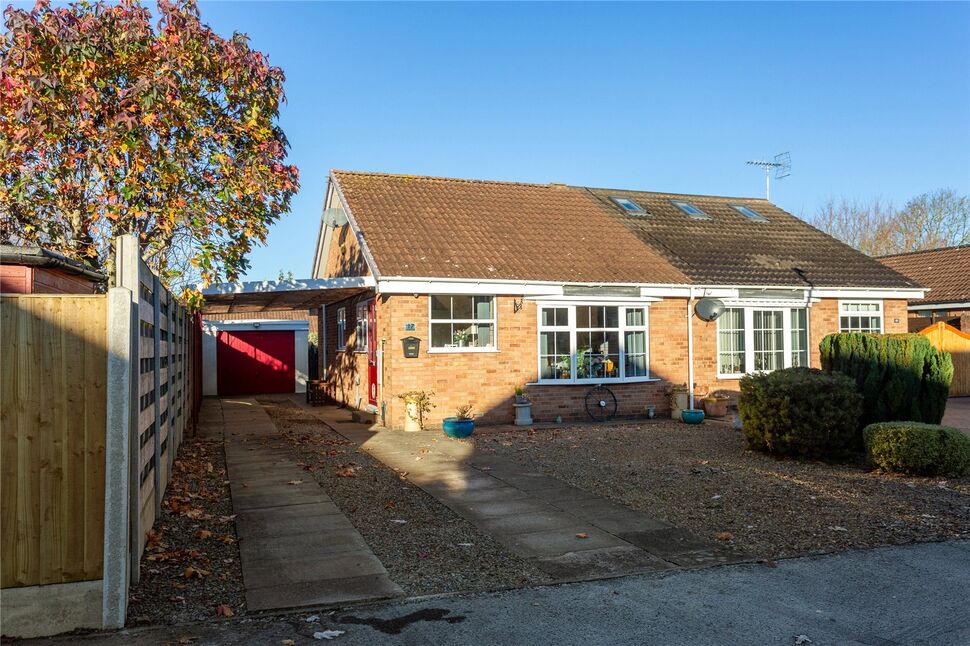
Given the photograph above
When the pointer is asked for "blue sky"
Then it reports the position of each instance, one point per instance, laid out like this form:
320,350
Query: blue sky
871,99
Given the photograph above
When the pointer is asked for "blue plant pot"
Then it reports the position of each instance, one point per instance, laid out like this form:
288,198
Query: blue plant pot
457,427
692,415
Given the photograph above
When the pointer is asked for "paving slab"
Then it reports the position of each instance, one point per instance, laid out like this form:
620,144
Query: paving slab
532,513
322,593
296,547
559,541
337,565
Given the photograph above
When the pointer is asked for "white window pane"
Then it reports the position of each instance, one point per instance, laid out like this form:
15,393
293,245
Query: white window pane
441,335
635,343
440,307
461,307
481,335
731,341
635,317
483,307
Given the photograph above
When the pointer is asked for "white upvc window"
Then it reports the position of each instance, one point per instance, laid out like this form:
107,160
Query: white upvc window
761,339
462,323
593,343
341,329
860,316
360,329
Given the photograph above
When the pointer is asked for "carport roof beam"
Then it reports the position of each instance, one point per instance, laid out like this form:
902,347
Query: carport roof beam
267,295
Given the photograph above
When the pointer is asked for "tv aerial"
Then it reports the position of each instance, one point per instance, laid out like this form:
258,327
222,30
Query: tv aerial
781,166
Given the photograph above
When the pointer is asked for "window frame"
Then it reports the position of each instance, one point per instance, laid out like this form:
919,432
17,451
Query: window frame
748,322
684,205
360,328
880,313
457,350
571,327
754,216
341,329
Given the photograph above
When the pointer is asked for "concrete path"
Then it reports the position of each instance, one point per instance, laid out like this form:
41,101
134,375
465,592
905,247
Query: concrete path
958,413
912,595
567,532
297,548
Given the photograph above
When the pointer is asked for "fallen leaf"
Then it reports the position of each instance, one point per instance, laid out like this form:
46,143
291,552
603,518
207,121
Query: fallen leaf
312,618
802,639
224,611
288,642
398,521
582,535
185,639
295,482
347,472
203,534
724,536
195,573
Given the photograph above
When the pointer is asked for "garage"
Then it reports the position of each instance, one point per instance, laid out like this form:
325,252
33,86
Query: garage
252,362
254,357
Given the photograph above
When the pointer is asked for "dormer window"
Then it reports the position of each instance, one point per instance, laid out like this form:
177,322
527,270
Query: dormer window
690,210
749,213
628,205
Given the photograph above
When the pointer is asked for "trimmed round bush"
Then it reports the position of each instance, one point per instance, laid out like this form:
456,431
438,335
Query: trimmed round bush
801,411
917,449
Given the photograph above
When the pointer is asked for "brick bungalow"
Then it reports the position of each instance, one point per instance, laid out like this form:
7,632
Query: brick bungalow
559,288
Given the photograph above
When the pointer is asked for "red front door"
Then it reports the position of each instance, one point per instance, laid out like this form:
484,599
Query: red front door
372,352
252,363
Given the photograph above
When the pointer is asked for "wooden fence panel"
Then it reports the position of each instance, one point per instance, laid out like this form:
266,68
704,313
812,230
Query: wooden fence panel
53,414
947,338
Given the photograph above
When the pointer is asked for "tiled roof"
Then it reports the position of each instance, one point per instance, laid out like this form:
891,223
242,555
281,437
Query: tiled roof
946,272
731,249
453,228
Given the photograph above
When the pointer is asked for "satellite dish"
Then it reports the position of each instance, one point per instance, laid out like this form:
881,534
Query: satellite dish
709,309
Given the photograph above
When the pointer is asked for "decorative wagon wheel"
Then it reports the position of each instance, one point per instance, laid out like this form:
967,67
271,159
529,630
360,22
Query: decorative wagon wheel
600,404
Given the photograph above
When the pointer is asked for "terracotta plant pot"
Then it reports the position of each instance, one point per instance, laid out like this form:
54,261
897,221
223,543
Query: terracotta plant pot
716,406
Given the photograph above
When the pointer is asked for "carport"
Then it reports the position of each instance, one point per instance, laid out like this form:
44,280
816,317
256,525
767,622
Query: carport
256,354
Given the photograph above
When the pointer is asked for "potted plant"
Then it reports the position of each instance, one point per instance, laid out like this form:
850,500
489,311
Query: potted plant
462,424
460,337
692,415
716,404
417,404
679,395
523,408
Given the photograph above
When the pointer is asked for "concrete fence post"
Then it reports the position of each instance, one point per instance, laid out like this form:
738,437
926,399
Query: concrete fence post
127,264
122,367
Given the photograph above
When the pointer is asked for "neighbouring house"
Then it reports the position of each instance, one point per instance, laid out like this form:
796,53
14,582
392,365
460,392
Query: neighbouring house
34,270
559,288
946,275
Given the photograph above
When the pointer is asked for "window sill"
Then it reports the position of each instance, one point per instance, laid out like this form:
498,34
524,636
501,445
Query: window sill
592,382
460,350
735,376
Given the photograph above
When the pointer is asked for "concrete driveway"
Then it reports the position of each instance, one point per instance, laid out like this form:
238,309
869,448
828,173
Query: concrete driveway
913,594
958,413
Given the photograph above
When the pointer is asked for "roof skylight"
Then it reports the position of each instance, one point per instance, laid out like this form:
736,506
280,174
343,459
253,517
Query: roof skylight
627,205
749,213
690,210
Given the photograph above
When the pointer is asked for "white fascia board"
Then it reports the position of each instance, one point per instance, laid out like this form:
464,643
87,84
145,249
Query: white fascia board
870,293
953,305
598,300
264,325
431,285
289,285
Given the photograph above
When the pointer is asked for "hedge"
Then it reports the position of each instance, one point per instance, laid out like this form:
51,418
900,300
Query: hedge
917,449
901,377
800,411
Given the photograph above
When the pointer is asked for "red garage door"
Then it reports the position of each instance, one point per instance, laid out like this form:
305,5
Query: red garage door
252,363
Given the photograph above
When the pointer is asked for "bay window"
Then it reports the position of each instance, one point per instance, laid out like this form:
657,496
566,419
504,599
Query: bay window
593,343
761,339
860,316
462,323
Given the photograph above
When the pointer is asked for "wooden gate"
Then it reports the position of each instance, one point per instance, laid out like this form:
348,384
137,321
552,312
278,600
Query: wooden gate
947,338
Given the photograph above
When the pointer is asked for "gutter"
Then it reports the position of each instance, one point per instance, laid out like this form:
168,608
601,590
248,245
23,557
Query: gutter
690,344
39,257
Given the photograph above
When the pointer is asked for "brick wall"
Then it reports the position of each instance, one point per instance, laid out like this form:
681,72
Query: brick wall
343,369
344,257
487,380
